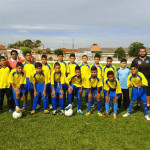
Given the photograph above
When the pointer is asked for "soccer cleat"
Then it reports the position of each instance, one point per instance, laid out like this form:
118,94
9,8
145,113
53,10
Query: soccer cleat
68,107
93,106
38,106
46,111
62,112
79,111
126,115
99,114
54,112
17,109
147,117
50,107
106,115
115,116
87,114
32,112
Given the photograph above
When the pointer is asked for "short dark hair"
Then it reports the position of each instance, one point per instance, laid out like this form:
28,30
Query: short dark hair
60,53
72,55
94,68
43,56
142,47
77,68
110,73
38,64
133,65
123,60
110,58
2,57
97,55
56,64
13,51
85,56
27,52
19,64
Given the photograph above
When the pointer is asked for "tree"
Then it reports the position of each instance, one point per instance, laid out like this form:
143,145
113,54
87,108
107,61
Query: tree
38,51
25,49
134,48
120,53
56,51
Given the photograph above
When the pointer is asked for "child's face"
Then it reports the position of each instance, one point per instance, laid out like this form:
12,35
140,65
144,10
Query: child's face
72,59
28,57
123,64
94,73
38,69
109,62
57,69
60,58
84,59
3,62
14,55
44,61
78,73
134,70
19,69
111,78
96,59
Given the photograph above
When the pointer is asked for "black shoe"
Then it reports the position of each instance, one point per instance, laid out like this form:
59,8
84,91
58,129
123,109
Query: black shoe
137,107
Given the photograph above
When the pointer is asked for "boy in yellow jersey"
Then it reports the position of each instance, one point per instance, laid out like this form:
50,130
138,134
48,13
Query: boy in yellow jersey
137,81
57,81
28,67
85,70
95,87
74,83
39,80
5,88
17,79
113,92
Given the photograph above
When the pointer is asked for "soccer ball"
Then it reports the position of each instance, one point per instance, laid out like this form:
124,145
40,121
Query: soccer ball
17,115
68,112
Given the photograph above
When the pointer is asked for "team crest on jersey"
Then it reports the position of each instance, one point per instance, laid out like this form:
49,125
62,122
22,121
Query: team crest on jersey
147,61
139,62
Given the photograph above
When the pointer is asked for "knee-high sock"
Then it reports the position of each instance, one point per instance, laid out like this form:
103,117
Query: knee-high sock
70,98
98,106
54,101
89,106
35,101
107,107
17,102
86,97
62,103
45,102
79,104
145,109
115,107
130,107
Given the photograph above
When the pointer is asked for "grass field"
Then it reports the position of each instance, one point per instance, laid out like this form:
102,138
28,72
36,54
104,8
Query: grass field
47,132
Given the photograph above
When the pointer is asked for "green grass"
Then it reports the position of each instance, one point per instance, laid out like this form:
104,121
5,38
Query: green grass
47,132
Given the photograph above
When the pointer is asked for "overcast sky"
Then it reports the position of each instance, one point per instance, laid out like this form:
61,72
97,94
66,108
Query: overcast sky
109,23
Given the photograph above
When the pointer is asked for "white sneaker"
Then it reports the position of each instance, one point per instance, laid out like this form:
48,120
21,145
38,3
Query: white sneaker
126,115
147,117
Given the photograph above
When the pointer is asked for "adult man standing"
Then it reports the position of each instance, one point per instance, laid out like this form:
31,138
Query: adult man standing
14,59
143,63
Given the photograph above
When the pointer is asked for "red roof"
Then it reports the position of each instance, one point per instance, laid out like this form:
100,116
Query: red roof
2,47
69,50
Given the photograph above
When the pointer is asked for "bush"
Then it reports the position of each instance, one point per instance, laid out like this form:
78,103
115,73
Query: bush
120,53
38,51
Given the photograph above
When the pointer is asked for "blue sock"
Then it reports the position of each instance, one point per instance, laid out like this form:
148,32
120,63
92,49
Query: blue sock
62,103
35,101
17,102
70,98
44,102
115,108
98,106
145,109
86,97
107,107
54,101
130,107
24,105
89,106
79,104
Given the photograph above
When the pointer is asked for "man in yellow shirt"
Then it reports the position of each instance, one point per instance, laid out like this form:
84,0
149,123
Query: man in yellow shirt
137,81
5,88
113,91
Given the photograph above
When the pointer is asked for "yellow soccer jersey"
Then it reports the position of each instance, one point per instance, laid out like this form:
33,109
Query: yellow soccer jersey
39,78
71,69
4,75
28,68
106,69
57,77
100,72
77,81
17,79
63,66
138,80
93,82
113,85
47,69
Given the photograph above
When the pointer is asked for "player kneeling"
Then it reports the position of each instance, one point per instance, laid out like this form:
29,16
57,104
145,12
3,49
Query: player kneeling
17,79
75,86
113,92
138,82
39,80
95,87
